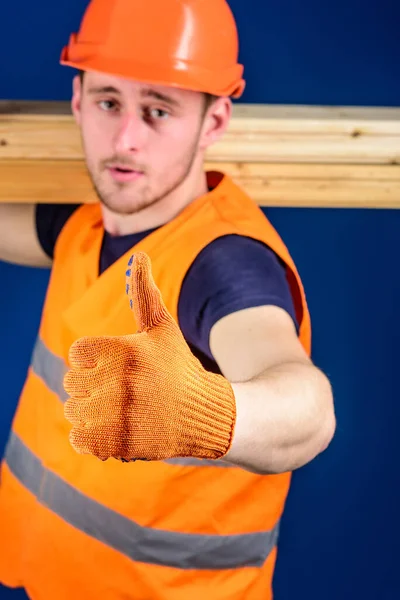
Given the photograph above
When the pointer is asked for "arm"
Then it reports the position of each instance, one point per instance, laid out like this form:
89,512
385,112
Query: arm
144,396
19,242
285,414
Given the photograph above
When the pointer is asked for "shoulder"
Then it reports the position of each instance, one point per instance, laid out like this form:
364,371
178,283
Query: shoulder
229,256
230,274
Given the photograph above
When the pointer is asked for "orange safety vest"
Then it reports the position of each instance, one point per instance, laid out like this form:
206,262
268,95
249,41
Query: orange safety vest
73,526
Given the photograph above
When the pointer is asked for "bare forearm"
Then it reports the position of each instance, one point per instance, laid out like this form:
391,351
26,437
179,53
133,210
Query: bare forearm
19,243
285,418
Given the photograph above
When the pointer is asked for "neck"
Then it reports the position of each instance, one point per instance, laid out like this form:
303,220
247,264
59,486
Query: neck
159,213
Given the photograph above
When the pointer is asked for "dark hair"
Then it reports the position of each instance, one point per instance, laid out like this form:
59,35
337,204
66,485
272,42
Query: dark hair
209,99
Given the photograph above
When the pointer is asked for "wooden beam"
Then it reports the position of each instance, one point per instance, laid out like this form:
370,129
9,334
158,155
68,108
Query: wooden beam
342,116
281,155
256,133
268,184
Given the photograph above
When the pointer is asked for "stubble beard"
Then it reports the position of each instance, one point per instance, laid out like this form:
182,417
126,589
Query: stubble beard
139,200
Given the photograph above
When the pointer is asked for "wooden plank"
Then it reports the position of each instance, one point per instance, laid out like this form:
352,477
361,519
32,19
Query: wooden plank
60,138
324,194
26,108
280,112
253,118
315,119
257,133
44,182
281,155
308,171
334,149
290,185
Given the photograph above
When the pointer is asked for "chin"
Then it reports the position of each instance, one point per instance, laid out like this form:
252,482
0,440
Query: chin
123,207
120,208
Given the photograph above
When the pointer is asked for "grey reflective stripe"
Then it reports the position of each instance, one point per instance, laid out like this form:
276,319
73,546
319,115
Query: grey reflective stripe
142,544
198,462
50,368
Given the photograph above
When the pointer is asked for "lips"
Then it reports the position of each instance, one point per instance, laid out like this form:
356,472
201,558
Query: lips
123,174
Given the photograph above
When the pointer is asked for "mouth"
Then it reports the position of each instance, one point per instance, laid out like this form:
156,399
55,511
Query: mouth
123,174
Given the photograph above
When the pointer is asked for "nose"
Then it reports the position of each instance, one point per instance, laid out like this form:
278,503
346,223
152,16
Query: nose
131,133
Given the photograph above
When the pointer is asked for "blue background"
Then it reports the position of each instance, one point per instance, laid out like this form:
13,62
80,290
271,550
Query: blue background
341,528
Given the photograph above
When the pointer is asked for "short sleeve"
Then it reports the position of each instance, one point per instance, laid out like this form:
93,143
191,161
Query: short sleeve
231,274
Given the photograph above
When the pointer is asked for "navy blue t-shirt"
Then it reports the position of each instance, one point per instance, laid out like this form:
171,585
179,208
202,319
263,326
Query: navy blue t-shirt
232,273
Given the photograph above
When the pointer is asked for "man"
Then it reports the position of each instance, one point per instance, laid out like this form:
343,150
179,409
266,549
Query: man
151,452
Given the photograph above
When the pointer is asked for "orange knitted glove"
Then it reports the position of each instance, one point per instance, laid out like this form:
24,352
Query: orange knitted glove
145,396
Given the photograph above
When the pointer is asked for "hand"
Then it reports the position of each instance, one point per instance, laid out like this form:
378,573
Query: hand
144,396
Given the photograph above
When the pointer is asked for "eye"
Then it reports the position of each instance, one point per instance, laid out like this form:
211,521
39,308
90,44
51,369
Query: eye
107,105
156,114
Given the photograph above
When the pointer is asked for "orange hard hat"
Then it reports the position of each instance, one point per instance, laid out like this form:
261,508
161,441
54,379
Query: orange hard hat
192,44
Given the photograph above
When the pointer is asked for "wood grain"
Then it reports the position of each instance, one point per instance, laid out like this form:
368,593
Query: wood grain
268,184
281,155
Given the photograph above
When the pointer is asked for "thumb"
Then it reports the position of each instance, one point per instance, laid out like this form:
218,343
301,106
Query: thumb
144,296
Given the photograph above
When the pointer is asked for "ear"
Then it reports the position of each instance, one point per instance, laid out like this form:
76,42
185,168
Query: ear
76,98
216,121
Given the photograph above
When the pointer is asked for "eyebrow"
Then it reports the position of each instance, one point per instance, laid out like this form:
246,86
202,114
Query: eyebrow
149,93
146,93
108,89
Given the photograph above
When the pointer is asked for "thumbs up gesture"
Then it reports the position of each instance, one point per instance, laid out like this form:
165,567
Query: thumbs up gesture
144,396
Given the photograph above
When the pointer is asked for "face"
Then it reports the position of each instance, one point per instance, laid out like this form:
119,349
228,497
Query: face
142,142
